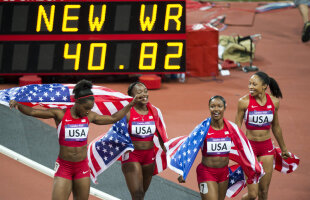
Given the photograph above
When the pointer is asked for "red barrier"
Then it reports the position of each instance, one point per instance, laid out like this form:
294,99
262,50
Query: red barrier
150,81
202,50
29,79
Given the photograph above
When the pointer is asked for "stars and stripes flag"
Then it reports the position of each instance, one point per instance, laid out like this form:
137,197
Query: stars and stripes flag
107,101
285,166
182,155
236,181
109,147
242,153
105,150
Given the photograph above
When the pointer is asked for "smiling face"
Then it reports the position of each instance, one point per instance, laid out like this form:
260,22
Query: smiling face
141,89
82,109
256,86
217,108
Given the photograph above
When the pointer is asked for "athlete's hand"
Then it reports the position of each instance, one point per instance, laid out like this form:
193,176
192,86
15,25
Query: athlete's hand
181,179
137,98
13,104
164,149
285,154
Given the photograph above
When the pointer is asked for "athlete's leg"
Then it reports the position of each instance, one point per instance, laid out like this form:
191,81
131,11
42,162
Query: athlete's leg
62,188
222,189
303,9
134,179
209,190
266,179
147,171
252,192
81,188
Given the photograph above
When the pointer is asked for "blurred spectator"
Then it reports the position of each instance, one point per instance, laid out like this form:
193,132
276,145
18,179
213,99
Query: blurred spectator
303,9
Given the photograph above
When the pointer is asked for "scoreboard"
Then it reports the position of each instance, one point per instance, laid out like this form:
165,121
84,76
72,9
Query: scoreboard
50,37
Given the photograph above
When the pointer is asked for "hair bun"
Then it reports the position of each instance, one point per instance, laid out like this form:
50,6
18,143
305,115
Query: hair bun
85,84
82,88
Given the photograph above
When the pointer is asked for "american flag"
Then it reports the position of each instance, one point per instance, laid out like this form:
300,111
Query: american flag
285,166
183,150
236,181
107,148
107,101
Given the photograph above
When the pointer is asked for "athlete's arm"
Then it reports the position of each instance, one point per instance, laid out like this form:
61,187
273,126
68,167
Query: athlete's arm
277,131
181,179
107,119
161,142
242,106
39,113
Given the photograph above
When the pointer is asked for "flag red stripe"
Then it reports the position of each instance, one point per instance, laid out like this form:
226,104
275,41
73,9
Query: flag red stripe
93,159
174,143
290,169
278,161
103,109
118,105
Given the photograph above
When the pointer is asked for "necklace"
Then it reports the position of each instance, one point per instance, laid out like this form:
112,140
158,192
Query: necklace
141,116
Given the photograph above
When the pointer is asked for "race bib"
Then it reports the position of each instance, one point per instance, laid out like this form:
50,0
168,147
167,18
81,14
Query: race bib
125,156
217,146
56,167
76,132
203,188
260,118
143,129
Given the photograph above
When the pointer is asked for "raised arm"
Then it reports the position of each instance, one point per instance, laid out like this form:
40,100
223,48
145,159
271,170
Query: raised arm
107,119
39,113
242,106
277,131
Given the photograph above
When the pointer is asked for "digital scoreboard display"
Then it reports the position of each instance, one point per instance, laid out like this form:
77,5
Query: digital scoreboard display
47,37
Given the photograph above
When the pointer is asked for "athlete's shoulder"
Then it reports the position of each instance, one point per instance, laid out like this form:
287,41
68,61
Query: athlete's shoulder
244,101
275,100
245,98
58,113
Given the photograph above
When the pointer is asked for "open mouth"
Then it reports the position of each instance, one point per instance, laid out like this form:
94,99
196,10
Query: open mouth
216,114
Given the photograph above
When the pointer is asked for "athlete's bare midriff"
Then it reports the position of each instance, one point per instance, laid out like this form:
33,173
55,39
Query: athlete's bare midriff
215,161
143,145
73,154
258,135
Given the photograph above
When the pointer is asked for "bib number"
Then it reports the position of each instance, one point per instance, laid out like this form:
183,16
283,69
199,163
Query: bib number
260,118
56,166
143,129
125,156
216,146
203,188
76,132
